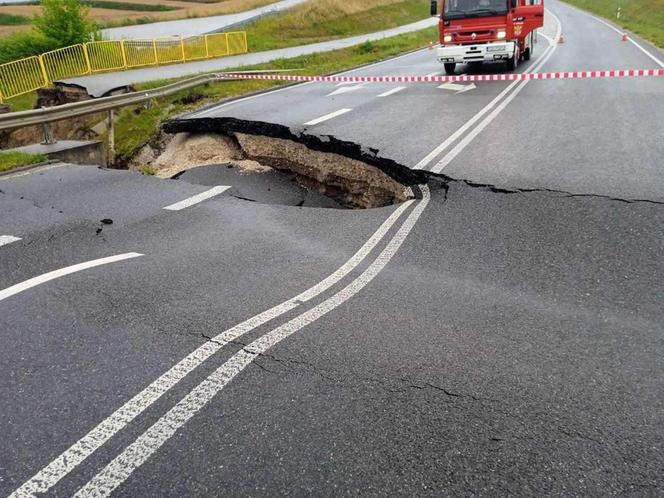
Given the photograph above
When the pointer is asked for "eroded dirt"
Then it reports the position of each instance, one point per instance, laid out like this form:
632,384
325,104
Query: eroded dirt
343,171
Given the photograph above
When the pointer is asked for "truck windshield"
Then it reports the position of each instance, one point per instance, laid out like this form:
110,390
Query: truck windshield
459,9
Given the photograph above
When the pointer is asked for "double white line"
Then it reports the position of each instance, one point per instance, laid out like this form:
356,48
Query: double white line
118,470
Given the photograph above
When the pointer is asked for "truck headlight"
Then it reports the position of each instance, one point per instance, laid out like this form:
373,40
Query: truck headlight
501,34
447,38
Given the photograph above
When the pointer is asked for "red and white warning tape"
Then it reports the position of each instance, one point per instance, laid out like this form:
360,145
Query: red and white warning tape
565,75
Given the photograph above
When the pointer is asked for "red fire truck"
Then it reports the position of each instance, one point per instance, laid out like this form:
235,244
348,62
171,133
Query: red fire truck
477,31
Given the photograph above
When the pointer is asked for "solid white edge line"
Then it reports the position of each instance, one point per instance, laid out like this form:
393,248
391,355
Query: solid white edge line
198,198
327,117
629,38
392,92
121,467
47,277
8,239
445,161
67,461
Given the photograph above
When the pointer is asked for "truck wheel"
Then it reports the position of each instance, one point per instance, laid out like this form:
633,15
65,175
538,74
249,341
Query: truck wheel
449,67
526,54
514,61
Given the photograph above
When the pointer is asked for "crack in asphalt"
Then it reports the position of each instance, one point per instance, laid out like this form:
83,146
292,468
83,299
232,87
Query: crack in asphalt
387,383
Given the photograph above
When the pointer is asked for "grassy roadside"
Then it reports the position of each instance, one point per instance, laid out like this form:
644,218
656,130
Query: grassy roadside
643,17
320,20
138,126
12,160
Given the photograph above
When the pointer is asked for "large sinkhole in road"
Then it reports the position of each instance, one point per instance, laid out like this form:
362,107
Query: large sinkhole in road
271,163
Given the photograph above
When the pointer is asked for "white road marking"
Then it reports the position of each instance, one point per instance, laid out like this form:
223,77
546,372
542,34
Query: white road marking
327,116
32,171
299,85
392,92
198,198
116,472
84,447
457,87
347,89
457,134
477,130
8,239
629,38
47,277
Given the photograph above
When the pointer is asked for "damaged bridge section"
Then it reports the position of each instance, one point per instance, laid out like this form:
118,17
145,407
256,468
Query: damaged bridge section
344,171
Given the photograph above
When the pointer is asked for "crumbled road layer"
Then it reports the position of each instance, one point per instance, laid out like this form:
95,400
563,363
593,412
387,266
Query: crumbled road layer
344,171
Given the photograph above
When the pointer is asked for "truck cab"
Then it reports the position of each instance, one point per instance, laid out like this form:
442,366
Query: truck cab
478,31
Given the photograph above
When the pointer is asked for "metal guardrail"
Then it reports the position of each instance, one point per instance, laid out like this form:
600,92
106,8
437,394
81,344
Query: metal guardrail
33,73
13,120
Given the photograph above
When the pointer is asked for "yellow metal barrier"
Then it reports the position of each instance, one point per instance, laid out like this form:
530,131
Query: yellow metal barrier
169,50
106,56
17,78
65,62
33,73
217,44
195,48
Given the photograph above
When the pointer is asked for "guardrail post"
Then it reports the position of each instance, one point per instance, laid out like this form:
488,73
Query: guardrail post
110,150
87,58
182,48
207,48
246,44
48,133
228,45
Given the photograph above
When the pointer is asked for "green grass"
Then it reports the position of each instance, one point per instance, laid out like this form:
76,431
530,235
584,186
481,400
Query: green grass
11,160
143,7
13,20
112,4
138,126
23,102
643,17
320,20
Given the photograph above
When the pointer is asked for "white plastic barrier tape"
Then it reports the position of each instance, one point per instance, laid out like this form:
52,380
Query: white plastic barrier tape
565,75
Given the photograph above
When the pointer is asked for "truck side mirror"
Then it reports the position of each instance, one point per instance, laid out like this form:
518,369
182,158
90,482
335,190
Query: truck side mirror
434,7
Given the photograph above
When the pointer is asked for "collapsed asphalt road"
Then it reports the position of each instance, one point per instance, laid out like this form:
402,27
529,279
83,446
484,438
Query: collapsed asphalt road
472,340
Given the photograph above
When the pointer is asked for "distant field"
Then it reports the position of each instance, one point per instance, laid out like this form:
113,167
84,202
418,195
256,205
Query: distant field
123,12
13,20
319,20
643,17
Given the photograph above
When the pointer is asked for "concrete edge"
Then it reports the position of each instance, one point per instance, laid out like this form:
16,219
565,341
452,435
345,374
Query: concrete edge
29,167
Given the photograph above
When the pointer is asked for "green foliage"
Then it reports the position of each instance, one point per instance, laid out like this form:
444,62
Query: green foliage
144,7
20,45
147,170
62,23
11,160
644,17
13,20
66,22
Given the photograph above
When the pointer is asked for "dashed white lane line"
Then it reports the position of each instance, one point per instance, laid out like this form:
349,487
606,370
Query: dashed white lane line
88,444
198,198
392,92
327,116
47,277
8,239
116,472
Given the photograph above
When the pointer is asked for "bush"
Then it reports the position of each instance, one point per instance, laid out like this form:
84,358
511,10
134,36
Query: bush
65,21
20,45
62,23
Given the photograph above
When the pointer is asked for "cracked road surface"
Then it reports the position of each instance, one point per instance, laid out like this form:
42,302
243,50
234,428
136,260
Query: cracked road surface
501,333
